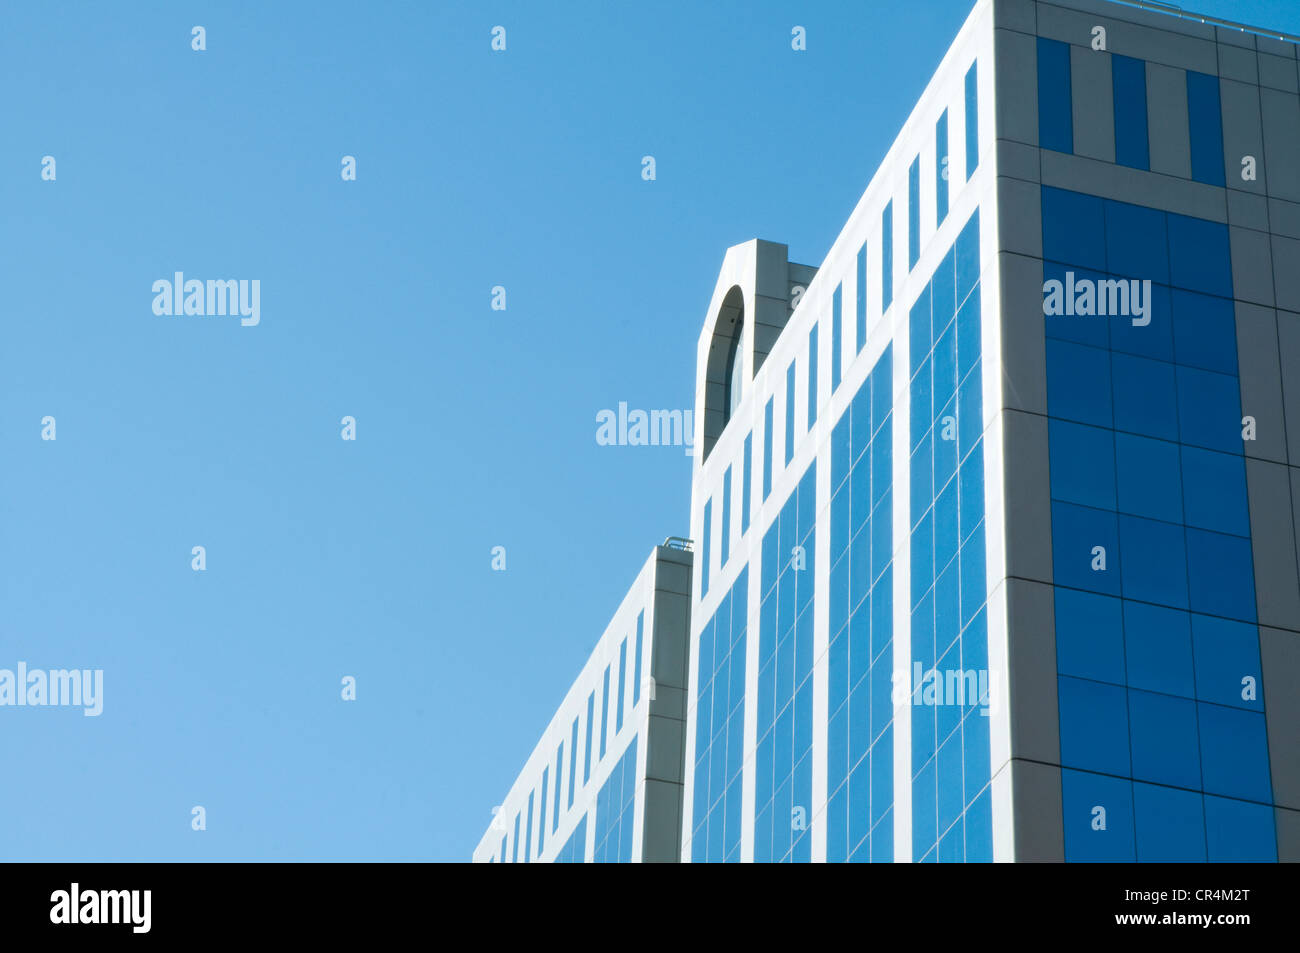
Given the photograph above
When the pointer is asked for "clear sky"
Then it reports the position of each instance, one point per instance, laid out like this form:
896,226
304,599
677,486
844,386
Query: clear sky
475,428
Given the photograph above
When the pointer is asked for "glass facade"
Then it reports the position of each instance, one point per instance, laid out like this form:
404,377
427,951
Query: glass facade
720,728
574,850
951,808
1161,711
783,764
860,747
616,811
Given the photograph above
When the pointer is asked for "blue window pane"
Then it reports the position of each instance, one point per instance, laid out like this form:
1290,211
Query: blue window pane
946,537
1082,464
970,420
768,437
979,831
1074,229
972,120
882,711
1170,825
944,368
839,595
622,682
923,635
922,557
1137,243
812,376
1147,473
973,589
837,825
1221,573
1205,331
1076,533
882,778
947,611
704,549
604,714
1153,335
1237,831
837,335
1055,116
1154,561
1234,753
1205,124
1158,645
920,336
559,779
1198,256
975,742
725,540
887,257
1094,726
1146,396
968,257
749,482
924,811
1129,80
882,539
1227,662
1069,324
861,428
1082,795
913,213
1089,636
859,803
968,335
922,470
789,413
1214,485
860,300
882,393
591,721
975,658
1162,735
841,451
541,813
944,295
971,492
1078,383
941,168
949,781
636,674
573,762
1209,410
807,505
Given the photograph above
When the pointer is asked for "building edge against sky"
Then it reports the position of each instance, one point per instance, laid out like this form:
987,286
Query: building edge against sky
934,611
604,782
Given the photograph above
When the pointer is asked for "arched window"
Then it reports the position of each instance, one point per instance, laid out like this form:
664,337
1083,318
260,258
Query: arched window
735,370
725,371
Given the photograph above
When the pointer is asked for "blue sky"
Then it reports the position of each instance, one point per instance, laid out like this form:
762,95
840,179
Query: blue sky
475,428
